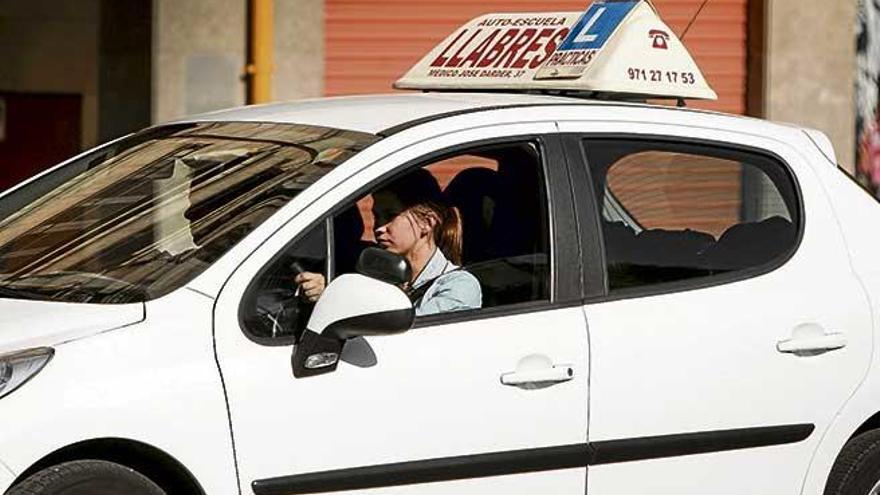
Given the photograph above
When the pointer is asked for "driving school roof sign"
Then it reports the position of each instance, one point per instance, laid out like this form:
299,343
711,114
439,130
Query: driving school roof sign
616,46
589,35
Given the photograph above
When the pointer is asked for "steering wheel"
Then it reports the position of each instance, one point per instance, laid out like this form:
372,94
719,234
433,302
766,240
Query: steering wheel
282,308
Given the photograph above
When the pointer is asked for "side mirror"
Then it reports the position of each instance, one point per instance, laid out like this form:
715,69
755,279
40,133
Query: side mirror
351,306
384,265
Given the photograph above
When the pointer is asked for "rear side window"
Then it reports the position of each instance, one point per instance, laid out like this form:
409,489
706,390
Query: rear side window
673,212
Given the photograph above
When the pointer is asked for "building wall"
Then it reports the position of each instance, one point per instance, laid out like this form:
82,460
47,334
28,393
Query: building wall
371,44
198,56
299,49
810,68
51,46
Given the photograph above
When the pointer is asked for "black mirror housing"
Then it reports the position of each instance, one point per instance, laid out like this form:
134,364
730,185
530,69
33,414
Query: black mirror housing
384,265
315,354
384,323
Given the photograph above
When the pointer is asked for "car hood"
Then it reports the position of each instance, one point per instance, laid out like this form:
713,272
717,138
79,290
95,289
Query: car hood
26,324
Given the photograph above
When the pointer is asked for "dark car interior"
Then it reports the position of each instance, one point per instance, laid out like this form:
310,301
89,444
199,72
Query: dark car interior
505,240
639,255
658,255
505,232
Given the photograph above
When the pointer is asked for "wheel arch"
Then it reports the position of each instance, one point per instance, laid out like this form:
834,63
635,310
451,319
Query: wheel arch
872,423
154,463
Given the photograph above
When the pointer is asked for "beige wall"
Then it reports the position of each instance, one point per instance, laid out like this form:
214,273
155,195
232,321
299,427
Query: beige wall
299,49
810,68
51,46
198,56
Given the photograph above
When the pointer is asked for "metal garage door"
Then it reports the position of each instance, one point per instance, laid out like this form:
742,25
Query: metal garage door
369,44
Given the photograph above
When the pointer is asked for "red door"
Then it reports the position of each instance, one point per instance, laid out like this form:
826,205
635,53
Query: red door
36,132
369,45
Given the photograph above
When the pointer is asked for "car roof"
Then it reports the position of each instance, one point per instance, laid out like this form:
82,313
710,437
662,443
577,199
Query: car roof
386,114
377,113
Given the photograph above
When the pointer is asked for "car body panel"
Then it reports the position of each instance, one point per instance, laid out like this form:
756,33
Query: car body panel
855,210
26,324
154,382
6,476
824,145
727,373
405,403
374,113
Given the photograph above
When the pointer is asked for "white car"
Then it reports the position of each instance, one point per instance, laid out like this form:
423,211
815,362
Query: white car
671,301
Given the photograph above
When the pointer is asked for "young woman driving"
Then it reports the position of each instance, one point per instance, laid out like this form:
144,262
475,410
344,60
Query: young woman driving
412,219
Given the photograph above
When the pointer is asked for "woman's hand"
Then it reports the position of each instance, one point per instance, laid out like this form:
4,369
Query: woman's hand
311,284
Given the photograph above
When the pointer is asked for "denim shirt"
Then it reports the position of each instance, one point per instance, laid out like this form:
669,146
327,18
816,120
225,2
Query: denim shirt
452,289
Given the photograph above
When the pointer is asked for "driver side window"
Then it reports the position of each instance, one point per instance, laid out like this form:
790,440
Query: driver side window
274,309
500,195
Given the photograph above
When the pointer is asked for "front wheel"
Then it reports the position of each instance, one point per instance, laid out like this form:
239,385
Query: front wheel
857,469
86,478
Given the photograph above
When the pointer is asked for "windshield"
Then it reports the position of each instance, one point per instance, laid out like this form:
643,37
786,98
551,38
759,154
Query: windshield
139,219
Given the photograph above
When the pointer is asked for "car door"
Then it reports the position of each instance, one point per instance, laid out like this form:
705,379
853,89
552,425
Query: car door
731,329
426,411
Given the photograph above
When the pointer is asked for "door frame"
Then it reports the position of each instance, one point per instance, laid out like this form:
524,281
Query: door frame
565,273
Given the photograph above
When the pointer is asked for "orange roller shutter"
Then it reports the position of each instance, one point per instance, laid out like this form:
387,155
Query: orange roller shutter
369,44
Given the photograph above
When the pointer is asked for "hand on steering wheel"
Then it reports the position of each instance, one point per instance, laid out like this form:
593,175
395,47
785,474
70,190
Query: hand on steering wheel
311,285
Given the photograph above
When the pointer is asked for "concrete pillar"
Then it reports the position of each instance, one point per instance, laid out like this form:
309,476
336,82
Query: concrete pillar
198,56
810,68
125,63
299,49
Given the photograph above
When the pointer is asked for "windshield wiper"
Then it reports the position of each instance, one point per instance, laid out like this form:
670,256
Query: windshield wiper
11,293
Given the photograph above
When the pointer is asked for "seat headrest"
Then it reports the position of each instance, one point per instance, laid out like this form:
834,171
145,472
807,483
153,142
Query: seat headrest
474,192
751,244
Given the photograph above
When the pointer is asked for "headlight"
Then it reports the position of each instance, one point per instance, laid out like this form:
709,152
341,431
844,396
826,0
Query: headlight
18,367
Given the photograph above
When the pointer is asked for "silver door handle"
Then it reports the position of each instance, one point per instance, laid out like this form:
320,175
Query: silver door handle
545,377
828,342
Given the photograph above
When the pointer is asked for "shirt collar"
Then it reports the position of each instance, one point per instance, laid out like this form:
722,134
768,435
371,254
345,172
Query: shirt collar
437,265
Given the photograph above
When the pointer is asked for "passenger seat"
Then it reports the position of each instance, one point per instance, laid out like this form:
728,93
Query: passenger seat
474,192
750,244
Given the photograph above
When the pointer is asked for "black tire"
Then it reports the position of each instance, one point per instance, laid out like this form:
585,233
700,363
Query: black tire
857,469
86,478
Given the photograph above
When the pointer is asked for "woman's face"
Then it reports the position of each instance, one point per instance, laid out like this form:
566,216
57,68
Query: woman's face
400,235
397,229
